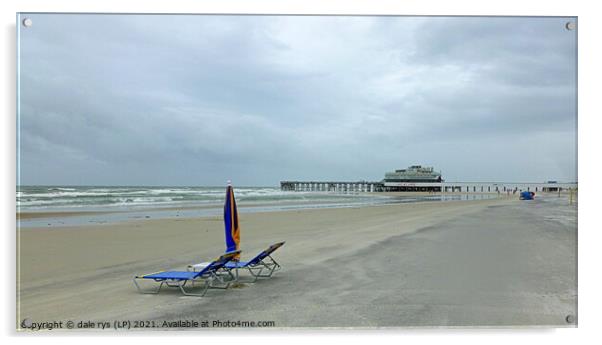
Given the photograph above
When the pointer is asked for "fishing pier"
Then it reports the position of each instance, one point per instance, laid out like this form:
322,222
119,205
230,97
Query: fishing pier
331,186
445,187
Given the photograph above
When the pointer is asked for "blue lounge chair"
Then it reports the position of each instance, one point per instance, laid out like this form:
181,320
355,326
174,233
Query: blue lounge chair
262,265
179,279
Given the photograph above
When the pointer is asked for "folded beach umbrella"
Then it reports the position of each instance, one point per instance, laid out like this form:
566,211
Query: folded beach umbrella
231,225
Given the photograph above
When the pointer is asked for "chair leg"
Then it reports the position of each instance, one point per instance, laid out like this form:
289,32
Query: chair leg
271,267
270,271
233,277
255,275
258,271
148,292
228,274
186,293
220,280
182,283
276,264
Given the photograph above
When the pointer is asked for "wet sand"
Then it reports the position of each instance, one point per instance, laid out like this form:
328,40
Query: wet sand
57,214
495,262
25,215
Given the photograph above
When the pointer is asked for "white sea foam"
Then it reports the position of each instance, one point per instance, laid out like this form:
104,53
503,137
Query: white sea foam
36,197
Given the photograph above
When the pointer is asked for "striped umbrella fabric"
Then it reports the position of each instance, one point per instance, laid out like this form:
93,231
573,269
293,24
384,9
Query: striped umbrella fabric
232,228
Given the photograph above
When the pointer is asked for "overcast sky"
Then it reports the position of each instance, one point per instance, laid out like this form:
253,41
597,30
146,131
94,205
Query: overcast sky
198,100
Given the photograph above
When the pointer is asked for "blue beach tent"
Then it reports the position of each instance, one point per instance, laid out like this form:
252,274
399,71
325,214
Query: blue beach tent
526,195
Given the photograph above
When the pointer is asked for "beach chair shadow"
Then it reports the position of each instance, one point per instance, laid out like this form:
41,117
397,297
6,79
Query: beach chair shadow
209,275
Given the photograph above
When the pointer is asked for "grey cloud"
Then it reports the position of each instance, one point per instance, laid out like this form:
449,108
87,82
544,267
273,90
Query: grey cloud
196,100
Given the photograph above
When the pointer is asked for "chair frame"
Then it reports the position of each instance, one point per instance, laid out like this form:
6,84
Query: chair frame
256,269
266,263
209,275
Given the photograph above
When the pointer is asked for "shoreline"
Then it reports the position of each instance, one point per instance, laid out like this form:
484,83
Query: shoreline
49,214
75,217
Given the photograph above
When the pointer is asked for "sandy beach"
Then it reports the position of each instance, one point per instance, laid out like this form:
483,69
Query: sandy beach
497,262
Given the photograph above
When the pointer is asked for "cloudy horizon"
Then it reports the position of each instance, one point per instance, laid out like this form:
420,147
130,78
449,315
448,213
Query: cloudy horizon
187,100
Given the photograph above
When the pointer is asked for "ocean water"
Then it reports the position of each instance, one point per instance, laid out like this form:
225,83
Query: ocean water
95,198
119,203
